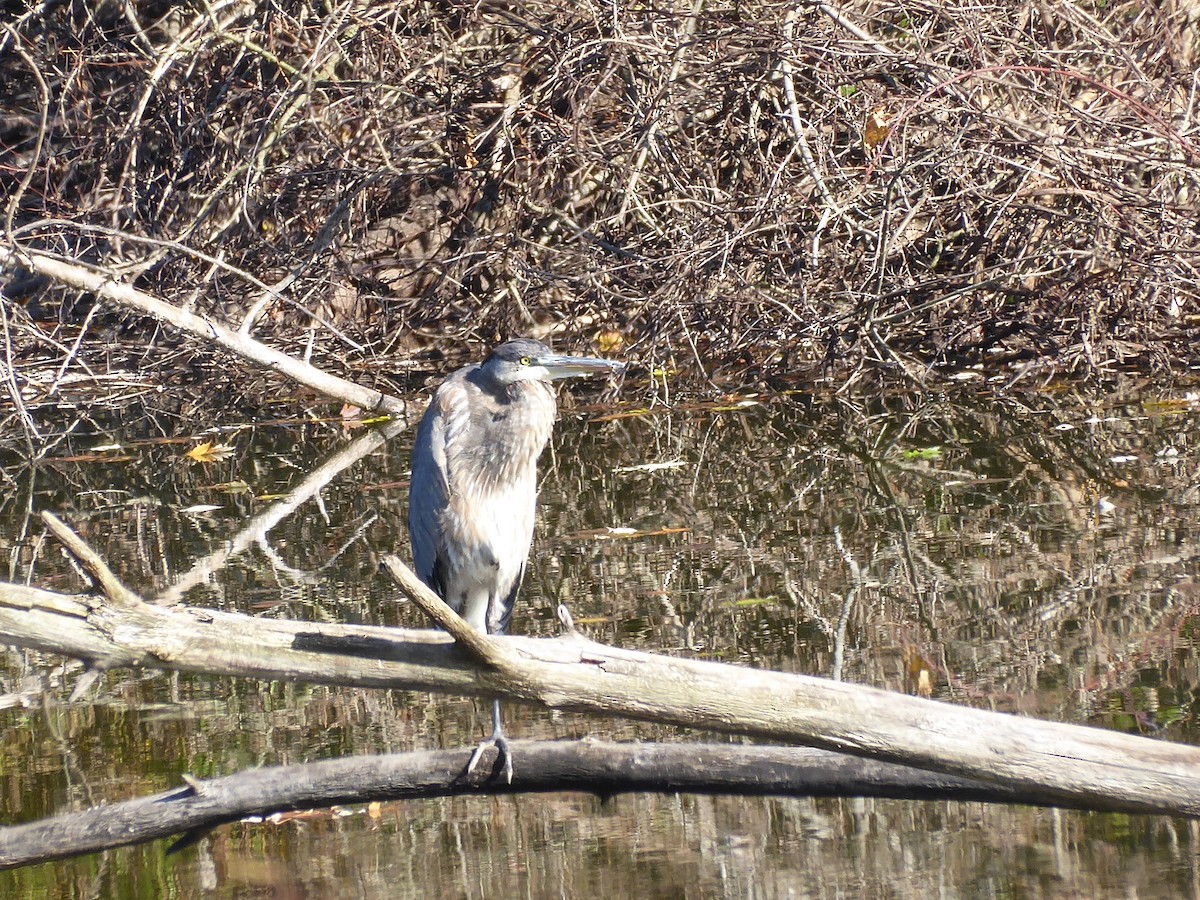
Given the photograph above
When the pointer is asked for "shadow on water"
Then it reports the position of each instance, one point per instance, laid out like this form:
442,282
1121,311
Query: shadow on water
1035,554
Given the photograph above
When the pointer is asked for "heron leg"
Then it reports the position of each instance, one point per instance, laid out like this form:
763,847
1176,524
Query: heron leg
497,740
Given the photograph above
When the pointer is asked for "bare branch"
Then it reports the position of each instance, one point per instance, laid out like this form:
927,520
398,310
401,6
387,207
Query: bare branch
106,286
481,646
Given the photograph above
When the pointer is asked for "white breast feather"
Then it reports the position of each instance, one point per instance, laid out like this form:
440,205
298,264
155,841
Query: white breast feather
489,516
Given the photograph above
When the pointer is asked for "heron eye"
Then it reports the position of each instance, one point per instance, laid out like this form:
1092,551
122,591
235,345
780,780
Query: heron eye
525,360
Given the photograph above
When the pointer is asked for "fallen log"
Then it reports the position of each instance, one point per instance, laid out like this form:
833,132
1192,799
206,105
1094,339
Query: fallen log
595,767
1067,764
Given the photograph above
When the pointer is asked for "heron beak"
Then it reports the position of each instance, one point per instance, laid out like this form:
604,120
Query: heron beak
578,366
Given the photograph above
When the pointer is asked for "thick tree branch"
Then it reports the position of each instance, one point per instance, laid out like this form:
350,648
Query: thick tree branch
1067,763
596,767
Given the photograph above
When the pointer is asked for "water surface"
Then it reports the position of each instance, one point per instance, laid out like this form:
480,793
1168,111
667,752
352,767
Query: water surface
1033,554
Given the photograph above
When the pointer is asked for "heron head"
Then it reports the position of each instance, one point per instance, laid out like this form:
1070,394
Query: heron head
529,360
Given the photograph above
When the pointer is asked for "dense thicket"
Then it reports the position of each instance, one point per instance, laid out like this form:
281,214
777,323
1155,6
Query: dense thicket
760,187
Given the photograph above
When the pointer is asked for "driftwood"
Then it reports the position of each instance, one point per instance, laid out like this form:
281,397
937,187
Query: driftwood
1055,763
595,767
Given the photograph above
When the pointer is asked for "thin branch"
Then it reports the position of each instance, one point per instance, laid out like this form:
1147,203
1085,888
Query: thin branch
97,568
8,374
35,158
480,645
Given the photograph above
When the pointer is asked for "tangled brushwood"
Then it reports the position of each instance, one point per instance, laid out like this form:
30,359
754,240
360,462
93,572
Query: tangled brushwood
740,189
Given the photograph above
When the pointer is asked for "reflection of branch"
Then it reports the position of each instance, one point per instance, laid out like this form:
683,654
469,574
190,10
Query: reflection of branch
260,524
593,766
1065,763
359,531
105,286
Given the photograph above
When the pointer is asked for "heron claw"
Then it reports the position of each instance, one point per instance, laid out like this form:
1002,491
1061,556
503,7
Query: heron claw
503,757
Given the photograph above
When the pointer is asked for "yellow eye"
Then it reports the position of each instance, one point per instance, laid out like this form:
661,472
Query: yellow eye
525,360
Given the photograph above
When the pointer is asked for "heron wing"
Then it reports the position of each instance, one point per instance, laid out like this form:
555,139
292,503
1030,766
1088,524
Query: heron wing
429,490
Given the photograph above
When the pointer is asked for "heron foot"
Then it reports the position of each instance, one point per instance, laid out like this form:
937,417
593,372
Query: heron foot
503,762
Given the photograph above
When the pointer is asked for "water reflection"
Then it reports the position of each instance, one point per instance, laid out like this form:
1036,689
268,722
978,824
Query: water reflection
1031,554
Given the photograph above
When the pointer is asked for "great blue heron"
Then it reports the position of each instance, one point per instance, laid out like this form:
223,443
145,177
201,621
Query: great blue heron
474,485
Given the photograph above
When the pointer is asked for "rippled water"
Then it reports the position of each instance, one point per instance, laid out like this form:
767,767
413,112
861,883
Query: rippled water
1034,554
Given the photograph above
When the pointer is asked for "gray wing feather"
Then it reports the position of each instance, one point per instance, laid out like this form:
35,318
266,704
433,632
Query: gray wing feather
428,495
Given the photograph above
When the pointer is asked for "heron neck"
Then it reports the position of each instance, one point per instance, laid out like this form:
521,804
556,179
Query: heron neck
526,426
515,431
